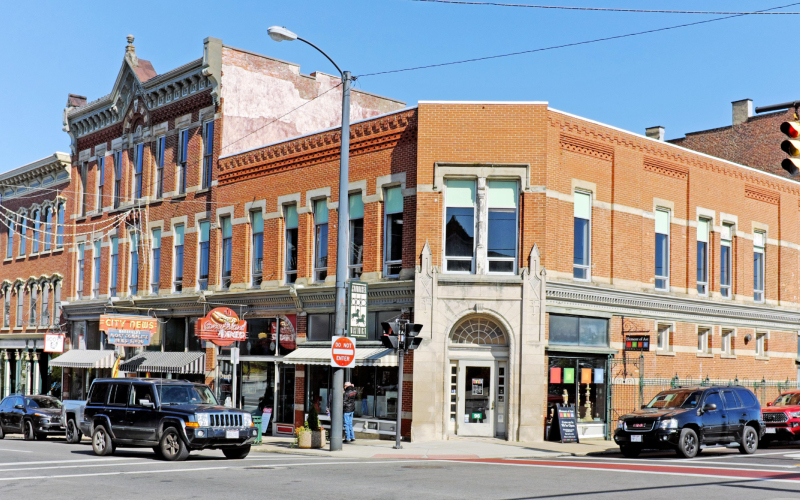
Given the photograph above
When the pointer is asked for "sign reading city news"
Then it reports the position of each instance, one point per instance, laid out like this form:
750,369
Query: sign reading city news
357,310
129,331
343,352
54,342
221,326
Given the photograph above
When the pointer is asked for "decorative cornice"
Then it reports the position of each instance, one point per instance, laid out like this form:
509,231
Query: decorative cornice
659,166
588,148
760,194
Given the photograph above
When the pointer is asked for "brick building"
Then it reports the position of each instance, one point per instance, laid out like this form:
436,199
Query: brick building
33,270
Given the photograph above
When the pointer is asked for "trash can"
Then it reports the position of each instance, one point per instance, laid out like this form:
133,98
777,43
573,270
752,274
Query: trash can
257,424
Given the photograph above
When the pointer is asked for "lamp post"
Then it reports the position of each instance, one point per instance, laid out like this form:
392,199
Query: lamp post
280,34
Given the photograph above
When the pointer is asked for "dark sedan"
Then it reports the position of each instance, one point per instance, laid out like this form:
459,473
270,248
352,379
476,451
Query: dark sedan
35,417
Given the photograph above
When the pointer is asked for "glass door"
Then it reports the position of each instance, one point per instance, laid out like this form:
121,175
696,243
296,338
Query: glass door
475,398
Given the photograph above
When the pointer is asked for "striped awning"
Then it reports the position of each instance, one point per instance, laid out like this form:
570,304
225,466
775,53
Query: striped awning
78,358
370,356
166,362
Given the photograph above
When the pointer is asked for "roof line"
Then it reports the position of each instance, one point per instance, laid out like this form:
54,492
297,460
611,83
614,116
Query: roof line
483,102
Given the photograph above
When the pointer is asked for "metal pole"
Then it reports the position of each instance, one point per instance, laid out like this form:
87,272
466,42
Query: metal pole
342,243
397,445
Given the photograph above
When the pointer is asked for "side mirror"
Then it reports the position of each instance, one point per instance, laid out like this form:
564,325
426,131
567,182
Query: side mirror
769,403
709,407
146,403
19,407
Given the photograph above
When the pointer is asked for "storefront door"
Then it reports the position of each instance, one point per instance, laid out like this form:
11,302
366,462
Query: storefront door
476,398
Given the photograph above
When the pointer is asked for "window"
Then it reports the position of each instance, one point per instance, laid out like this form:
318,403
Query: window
19,306
138,158
356,212
320,326
23,234
35,235
459,245
703,226
731,400
112,289
320,240
117,177
101,177
257,247
582,253
202,280
7,311
227,250
60,224
98,394
183,153
703,340
393,229
726,346
96,276
10,240
84,174
501,243
57,301
155,272
662,249
177,237
208,152
79,284
761,344
578,330
725,260
34,302
664,340
45,318
759,243
291,220
118,395
160,151
48,228
133,285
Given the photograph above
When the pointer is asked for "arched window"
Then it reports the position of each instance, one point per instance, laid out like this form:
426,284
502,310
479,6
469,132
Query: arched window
45,318
23,233
56,302
478,330
33,303
10,240
60,232
35,235
6,293
18,322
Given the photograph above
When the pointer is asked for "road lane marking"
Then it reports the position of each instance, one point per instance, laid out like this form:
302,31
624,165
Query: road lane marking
78,465
739,455
18,451
62,461
120,473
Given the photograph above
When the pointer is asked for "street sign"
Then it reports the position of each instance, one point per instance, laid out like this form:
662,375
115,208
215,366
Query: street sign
343,352
357,310
637,343
53,342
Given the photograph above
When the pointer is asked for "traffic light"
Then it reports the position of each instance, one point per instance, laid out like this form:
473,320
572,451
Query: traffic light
791,147
412,336
390,338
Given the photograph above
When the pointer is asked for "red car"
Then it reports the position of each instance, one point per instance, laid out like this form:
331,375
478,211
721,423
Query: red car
782,418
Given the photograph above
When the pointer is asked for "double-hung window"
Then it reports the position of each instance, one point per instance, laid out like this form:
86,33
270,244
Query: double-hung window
726,344
34,302
138,162
96,269
177,237
134,270
10,240
664,338
202,279
7,313
227,251
23,234
208,153
101,178
703,340
20,298
393,229
160,151
48,228
703,226
582,252
112,289
761,344
56,301
84,174
320,240
292,221
60,230
183,154
35,236
726,260
44,319
356,212
759,244
257,247
459,225
501,241
662,249
155,273
79,284
117,177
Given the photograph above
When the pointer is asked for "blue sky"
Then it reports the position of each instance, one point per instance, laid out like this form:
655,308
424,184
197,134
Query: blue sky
682,79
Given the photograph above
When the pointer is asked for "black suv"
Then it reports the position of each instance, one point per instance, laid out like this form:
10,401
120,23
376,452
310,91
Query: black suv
682,419
171,416
35,417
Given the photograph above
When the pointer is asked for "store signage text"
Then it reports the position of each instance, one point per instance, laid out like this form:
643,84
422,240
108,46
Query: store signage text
222,327
130,331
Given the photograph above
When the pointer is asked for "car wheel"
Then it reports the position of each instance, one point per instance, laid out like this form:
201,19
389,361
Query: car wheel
749,443
235,453
101,441
172,446
630,451
2,434
27,433
73,434
688,446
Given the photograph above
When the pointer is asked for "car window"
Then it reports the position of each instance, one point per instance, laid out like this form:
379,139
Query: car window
42,402
118,395
17,401
747,397
675,399
99,393
731,400
714,399
5,404
185,394
140,393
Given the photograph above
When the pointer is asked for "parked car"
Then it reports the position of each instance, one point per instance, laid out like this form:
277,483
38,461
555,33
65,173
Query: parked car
35,417
685,419
782,418
171,416
71,414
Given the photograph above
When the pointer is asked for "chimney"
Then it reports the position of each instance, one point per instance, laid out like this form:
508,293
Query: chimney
130,52
742,110
656,132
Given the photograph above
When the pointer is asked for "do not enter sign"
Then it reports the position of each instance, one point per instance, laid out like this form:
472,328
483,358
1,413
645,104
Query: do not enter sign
343,352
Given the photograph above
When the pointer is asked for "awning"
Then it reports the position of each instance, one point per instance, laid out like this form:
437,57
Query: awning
82,358
370,356
167,362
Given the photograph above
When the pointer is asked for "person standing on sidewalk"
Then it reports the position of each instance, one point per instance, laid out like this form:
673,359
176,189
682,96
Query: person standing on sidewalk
349,407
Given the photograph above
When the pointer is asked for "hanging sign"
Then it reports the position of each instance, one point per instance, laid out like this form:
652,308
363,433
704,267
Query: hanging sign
221,326
357,310
343,352
53,342
287,333
127,330
637,343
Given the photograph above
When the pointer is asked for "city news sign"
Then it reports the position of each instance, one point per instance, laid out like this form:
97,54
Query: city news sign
129,331
221,326
357,310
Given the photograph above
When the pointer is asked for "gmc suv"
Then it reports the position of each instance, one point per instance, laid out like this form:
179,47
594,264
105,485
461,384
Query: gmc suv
683,419
170,416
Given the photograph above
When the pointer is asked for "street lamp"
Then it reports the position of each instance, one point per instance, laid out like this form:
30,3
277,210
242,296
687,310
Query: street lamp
280,34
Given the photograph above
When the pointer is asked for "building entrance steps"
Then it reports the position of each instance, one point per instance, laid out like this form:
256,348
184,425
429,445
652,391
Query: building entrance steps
454,448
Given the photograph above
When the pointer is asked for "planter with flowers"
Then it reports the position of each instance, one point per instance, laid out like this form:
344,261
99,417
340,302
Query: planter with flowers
311,435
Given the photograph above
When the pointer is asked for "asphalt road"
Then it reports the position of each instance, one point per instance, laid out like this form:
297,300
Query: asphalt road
55,469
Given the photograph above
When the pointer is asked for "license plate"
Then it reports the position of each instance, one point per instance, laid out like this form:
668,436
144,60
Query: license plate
636,439
771,430
231,434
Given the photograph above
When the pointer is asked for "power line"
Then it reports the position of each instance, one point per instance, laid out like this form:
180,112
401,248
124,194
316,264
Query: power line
573,44
607,9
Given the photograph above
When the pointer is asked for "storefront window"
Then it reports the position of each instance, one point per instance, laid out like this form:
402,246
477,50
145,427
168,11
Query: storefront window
320,326
317,388
575,330
374,320
257,386
581,381
285,411
376,388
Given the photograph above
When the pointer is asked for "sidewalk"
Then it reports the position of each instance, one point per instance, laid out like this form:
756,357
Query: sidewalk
453,448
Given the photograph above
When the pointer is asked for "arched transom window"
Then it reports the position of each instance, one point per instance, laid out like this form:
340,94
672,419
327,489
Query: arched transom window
478,331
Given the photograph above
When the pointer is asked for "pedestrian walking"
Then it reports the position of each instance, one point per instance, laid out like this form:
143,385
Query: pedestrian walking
348,408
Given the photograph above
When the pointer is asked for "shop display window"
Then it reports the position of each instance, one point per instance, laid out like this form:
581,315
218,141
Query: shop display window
575,330
581,381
